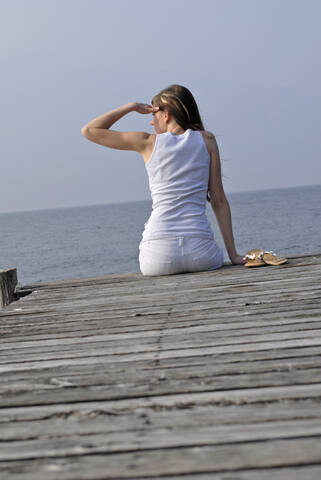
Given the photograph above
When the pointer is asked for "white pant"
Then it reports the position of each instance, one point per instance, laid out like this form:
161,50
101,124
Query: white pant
166,256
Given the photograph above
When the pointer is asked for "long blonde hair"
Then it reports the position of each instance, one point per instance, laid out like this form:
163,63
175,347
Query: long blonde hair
180,103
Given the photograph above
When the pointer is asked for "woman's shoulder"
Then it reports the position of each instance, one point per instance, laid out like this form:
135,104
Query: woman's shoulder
209,139
208,136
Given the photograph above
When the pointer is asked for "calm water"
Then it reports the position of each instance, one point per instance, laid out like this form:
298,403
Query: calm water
97,240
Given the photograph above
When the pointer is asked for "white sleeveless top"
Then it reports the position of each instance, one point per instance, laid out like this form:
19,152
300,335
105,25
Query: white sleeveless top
178,172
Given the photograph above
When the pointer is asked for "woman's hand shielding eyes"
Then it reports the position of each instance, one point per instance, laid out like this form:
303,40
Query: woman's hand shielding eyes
144,108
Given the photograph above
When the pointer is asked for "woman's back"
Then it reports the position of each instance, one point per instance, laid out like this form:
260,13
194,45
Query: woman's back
183,167
178,172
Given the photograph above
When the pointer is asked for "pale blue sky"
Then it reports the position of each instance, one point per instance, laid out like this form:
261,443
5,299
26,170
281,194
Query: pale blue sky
252,65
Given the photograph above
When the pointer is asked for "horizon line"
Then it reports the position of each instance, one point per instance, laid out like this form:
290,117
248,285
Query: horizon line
145,200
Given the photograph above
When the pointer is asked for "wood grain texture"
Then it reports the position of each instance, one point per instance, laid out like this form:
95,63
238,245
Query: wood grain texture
212,375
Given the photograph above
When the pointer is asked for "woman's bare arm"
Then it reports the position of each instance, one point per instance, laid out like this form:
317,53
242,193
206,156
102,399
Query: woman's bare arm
220,204
98,130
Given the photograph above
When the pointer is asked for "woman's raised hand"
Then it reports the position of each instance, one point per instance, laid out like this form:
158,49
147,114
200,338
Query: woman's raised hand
144,108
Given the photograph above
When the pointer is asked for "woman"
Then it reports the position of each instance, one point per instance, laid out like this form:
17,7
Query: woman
183,165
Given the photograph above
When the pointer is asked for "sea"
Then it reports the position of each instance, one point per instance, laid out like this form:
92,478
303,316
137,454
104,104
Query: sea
89,241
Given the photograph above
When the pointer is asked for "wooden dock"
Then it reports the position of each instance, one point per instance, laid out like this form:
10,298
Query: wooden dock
206,376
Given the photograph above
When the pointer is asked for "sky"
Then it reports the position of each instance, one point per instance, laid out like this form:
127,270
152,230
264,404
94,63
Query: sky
253,67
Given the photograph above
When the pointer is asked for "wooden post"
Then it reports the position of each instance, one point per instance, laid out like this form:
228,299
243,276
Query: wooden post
8,282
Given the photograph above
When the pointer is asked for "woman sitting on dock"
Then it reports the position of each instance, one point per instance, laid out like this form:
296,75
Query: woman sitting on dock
183,165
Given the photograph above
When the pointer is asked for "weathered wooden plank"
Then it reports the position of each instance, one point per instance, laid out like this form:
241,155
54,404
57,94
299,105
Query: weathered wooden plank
208,366
168,312
80,294
98,387
110,298
297,473
67,444
153,354
79,323
220,295
169,362
151,346
235,286
106,298
266,404
200,394
173,461
94,421
264,295
209,329
256,362
42,300
132,322
207,332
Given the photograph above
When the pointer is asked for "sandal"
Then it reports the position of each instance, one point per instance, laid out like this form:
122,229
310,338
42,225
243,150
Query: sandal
272,259
254,258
